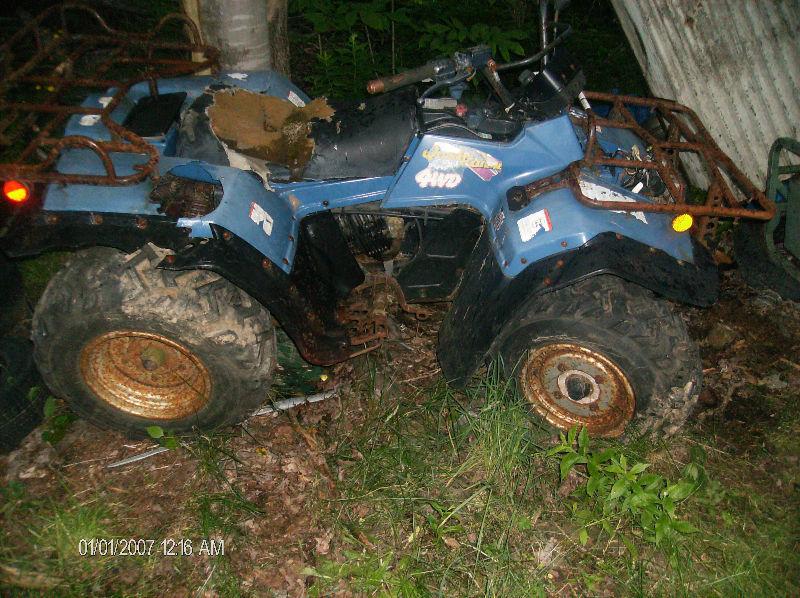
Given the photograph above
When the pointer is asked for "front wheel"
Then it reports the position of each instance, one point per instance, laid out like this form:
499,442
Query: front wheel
607,355
131,346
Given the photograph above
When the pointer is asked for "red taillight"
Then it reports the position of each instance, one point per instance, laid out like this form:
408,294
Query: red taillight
16,192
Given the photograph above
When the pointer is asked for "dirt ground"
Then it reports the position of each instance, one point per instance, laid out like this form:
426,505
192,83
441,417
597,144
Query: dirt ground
265,487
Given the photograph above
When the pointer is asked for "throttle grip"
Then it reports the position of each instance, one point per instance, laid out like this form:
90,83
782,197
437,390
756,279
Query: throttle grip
420,73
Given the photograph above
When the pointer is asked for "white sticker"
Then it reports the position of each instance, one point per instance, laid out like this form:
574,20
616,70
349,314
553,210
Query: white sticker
260,216
89,120
429,177
296,99
530,226
105,101
239,76
600,193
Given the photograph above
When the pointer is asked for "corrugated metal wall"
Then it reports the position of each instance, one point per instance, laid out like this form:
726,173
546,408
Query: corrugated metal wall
735,62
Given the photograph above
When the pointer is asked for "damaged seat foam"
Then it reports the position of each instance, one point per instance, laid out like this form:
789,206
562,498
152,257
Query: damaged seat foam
281,141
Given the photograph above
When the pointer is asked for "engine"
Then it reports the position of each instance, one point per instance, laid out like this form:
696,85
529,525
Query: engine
376,235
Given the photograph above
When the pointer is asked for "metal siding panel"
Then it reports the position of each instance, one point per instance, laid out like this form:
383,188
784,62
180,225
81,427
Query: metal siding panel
735,62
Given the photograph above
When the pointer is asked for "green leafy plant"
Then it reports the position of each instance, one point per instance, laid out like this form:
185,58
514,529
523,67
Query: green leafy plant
451,34
353,41
162,437
57,418
618,494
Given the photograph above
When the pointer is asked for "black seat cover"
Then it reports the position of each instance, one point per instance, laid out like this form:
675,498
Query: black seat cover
363,138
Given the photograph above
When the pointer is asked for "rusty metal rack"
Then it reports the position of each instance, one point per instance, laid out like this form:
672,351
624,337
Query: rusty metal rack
59,58
730,193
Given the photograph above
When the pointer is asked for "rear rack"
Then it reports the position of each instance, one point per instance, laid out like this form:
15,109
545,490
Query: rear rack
730,193
47,67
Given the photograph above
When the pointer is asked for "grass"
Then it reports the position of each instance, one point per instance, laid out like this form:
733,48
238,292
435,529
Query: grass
439,497
448,493
454,494
46,550
44,541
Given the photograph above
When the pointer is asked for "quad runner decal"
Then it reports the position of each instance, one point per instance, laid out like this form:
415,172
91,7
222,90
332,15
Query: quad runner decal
530,226
447,162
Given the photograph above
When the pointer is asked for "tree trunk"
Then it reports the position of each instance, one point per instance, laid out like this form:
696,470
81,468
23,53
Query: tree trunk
250,34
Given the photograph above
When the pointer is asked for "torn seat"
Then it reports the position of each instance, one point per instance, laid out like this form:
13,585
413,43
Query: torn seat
281,141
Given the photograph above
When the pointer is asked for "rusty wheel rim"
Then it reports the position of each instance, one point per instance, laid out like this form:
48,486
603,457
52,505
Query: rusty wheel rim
145,374
570,385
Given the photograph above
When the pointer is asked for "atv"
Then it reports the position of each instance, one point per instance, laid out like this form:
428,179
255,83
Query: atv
209,209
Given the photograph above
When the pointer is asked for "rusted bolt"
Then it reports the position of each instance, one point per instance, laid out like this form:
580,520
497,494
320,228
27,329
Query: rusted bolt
547,282
96,219
266,264
652,249
227,235
559,263
170,259
618,236
523,260
141,222
563,243
285,261
51,219
291,238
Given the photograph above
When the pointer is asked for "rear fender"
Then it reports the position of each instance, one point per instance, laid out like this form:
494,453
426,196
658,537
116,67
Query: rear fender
488,299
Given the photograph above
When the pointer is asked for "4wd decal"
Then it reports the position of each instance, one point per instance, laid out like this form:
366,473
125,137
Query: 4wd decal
447,162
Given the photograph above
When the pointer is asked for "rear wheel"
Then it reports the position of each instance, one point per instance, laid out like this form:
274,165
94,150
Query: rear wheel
132,346
606,355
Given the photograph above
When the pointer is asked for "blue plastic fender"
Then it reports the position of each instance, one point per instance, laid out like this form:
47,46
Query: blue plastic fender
436,171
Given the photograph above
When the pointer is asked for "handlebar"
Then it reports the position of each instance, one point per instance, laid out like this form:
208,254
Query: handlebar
426,71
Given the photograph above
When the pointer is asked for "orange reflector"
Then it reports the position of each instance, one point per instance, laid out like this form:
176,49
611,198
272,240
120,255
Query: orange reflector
682,222
15,191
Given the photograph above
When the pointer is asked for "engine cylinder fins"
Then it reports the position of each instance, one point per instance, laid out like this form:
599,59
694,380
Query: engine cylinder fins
379,237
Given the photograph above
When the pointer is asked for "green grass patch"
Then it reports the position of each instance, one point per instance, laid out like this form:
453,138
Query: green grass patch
446,493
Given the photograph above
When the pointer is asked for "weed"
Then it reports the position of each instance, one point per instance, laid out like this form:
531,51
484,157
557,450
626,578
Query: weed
57,418
617,495
163,437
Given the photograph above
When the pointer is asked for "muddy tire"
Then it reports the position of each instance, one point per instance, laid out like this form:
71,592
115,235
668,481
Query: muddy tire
130,345
607,355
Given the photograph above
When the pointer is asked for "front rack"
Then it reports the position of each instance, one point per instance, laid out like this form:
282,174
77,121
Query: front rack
730,193
48,67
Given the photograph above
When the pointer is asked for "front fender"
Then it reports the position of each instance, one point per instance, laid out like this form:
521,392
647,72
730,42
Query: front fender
488,299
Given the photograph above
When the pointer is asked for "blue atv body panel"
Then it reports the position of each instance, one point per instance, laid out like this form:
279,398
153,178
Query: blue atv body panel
436,171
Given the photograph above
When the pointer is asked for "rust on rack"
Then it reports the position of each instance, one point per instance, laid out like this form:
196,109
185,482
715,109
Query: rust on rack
42,60
730,193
